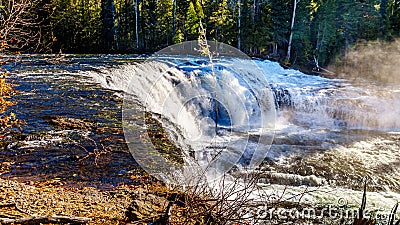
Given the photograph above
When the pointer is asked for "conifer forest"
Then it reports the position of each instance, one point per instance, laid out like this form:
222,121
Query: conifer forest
298,32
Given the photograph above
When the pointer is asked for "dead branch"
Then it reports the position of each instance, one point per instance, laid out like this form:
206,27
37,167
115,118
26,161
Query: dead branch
46,219
13,205
19,24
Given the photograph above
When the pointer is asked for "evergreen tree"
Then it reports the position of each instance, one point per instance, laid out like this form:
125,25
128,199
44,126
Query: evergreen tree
280,15
179,37
395,17
324,31
125,21
369,25
192,22
223,25
164,29
383,10
258,38
108,25
301,46
148,24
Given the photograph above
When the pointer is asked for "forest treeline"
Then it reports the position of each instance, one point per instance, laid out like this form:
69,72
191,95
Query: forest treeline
300,32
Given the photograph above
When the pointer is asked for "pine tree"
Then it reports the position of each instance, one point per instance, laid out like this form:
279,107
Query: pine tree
194,15
108,25
199,9
383,10
178,37
280,15
370,21
302,47
324,31
147,25
258,33
394,17
164,29
223,25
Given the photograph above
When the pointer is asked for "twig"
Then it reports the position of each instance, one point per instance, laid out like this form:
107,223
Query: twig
9,205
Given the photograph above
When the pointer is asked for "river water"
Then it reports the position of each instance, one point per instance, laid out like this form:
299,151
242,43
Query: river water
331,133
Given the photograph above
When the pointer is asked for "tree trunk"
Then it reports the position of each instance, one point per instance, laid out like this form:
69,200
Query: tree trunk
137,23
254,11
291,31
239,20
174,19
275,49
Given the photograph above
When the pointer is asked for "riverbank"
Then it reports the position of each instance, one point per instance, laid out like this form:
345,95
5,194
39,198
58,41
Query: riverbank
50,198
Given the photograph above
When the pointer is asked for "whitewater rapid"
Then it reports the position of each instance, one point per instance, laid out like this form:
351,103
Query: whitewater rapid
311,114
301,100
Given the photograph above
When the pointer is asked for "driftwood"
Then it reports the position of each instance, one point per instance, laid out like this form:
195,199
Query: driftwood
46,219
32,220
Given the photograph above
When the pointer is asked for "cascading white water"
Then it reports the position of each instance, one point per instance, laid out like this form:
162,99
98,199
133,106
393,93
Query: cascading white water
310,109
333,103
182,91
312,101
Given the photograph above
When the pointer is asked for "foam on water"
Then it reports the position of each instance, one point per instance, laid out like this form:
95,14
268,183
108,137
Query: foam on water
319,102
308,104
182,91
312,112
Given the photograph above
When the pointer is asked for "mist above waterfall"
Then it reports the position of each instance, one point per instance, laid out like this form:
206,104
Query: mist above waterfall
375,60
314,102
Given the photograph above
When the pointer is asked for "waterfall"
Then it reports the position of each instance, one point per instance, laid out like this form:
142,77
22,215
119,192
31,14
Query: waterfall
333,103
180,90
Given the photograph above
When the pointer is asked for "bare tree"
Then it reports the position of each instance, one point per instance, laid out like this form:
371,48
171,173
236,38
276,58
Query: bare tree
137,23
19,20
239,23
291,30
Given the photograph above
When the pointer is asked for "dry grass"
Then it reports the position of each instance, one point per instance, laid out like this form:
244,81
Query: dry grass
50,198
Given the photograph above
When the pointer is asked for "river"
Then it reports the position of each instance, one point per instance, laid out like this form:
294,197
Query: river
329,133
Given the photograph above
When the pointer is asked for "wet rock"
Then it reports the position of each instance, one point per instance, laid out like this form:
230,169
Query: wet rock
72,123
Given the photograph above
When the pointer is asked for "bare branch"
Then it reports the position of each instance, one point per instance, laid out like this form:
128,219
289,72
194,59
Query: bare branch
19,25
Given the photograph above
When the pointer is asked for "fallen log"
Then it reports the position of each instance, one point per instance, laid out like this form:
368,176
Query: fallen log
73,220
